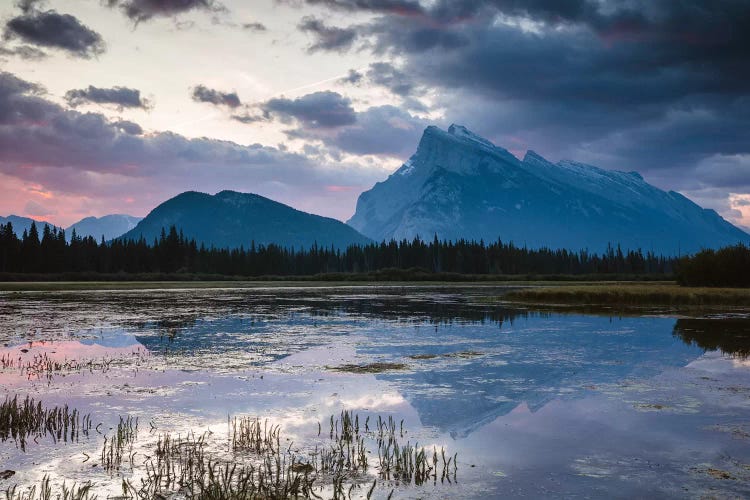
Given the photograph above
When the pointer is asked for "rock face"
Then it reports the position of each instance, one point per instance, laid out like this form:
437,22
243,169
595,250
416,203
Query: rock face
230,220
107,226
459,185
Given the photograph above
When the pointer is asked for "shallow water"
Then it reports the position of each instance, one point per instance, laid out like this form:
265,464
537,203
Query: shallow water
533,403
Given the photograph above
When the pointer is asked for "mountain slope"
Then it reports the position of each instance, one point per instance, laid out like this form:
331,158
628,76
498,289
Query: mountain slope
459,185
230,220
21,224
107,226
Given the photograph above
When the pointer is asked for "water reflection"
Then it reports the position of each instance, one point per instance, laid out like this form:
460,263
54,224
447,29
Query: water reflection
730,335
466,364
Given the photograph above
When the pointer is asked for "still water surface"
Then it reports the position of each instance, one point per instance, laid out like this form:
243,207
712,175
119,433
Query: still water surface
533,403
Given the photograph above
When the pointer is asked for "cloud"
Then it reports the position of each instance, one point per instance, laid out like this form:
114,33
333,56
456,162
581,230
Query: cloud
354,77
75,154
329,117
387,75
128,127
327,37
53,30
24,52
379,130
27,6
36,209
401,7
122,97
317,110
202,93
144,10
255,27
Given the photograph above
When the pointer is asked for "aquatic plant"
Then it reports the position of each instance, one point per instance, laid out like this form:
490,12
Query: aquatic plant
42,366
44,492
259,467
120,445
28,419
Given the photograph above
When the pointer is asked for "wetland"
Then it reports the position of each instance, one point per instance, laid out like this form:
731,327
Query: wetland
366,392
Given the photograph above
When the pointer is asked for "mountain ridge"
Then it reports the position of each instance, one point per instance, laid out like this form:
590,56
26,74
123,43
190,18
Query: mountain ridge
107,226
458,185
230,219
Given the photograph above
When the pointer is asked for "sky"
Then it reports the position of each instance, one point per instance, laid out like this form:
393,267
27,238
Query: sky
114,106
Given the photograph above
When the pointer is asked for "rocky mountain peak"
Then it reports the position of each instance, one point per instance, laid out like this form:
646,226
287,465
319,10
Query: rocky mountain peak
459,185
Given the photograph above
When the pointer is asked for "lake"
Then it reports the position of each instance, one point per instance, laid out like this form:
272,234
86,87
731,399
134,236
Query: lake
503,401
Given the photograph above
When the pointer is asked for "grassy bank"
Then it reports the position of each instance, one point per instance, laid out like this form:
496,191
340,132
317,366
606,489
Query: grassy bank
630,294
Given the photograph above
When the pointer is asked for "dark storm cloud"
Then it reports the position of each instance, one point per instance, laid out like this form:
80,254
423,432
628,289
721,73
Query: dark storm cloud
657,85
122,97
317,110
143,10
327,37
201,93
60,31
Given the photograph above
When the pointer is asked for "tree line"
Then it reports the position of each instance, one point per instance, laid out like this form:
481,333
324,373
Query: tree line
50,252
728,266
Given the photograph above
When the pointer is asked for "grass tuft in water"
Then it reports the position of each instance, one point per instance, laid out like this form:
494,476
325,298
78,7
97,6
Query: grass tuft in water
21,420
120,445
44,492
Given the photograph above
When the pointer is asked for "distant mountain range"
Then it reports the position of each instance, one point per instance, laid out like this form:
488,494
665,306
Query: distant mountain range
459,185
107,226
21,224
230,219
456,186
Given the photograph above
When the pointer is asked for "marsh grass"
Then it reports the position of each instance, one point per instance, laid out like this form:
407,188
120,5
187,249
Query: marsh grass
629,295
45,492
119,445
42,366
22,420
250,464
255,465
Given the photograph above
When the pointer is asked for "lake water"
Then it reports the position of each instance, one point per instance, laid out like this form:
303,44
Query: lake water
529,403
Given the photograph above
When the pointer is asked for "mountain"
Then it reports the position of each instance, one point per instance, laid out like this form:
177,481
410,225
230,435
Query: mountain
459,185
230,220
107,226
21,224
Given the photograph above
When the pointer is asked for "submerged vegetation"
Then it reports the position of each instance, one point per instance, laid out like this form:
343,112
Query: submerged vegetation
378,367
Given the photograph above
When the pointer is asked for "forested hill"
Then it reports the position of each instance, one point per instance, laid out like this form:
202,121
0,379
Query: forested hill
231,220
